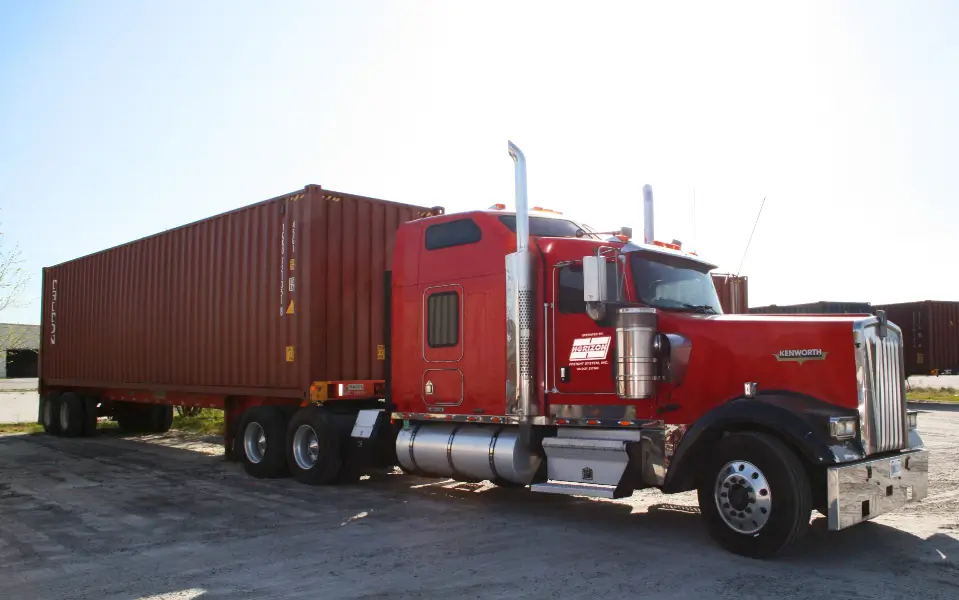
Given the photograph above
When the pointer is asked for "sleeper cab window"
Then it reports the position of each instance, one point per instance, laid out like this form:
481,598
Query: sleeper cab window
571,288
452,233
443,327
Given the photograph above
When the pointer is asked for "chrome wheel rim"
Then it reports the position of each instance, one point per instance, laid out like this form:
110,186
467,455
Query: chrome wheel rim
743,497
64,416
306,447
254,442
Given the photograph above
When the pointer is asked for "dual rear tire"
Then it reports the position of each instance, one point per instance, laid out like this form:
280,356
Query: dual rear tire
309,445
143,418
69,414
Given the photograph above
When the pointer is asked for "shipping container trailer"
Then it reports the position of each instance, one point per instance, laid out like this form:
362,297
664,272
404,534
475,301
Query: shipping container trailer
733,292
280,299
930,332
814,308
521,348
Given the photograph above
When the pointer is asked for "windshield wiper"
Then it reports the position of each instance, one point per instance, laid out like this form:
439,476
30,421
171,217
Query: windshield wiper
700,308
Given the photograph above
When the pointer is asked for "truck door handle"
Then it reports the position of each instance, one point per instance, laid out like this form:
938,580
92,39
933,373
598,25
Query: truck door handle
564,374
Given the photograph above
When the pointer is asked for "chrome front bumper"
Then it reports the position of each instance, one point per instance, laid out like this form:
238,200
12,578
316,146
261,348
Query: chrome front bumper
863,490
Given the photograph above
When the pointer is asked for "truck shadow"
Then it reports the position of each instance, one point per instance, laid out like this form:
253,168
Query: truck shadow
675,526
870,546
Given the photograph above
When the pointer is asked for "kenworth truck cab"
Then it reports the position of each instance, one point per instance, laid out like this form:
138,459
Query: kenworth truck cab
531,351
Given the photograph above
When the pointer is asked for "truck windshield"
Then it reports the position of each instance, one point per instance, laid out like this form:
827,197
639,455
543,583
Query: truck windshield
548,227
673,283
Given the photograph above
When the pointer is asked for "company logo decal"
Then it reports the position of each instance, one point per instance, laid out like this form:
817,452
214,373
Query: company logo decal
801,355
589,348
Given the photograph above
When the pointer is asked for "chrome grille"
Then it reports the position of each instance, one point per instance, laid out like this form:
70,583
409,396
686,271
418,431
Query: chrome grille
882,406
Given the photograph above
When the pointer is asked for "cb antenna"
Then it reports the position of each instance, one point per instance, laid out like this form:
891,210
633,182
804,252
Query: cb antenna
751,237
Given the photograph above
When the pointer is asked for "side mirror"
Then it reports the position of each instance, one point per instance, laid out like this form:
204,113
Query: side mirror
594,279
628,232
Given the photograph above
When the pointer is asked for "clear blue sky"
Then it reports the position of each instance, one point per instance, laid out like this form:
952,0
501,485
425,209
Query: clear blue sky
121,119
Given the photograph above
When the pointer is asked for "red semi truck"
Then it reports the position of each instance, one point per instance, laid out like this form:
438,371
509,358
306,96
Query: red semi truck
343,334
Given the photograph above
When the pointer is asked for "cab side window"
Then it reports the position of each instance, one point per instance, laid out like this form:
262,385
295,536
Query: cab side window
452,233
443,314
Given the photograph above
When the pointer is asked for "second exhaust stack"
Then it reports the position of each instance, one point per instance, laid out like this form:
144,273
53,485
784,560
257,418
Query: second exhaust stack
648,214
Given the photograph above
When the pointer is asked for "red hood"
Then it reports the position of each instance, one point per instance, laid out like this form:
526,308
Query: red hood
812,355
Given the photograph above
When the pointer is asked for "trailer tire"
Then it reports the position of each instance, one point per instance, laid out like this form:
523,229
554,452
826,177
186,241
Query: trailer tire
261,435
132,418
71,415
50,413
313,447
765,489
161,418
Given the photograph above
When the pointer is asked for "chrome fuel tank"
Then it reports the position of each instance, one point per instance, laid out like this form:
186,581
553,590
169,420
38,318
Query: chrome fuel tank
466,452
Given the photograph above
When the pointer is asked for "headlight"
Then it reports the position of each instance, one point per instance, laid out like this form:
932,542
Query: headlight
913,418
842,428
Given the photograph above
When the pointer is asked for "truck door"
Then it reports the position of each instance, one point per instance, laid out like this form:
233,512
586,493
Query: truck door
582,351
443,383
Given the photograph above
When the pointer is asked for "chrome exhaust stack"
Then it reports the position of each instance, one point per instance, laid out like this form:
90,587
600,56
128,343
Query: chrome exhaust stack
648,214
519,304
522,202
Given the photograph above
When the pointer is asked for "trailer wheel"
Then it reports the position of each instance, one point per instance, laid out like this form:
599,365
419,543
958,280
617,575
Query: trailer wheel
313,447
50,413
71,415
130,417
161,418
754,495
261,434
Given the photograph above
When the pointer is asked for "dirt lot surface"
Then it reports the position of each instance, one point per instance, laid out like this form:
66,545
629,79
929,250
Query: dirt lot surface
167,517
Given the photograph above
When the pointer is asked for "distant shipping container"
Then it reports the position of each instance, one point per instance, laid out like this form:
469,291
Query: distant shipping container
263,300
815,308
733,292
930,335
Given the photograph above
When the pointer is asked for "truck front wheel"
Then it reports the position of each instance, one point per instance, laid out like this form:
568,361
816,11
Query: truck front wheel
754,495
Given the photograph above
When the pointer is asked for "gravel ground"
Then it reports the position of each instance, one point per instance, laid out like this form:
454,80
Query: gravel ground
167,517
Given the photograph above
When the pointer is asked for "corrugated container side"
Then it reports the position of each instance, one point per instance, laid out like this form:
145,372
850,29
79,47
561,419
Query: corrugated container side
815,308
930,334
352,247
733,292
263,299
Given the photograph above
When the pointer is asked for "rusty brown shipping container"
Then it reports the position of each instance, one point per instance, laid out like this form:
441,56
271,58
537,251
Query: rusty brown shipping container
263,300
930,331
733,292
